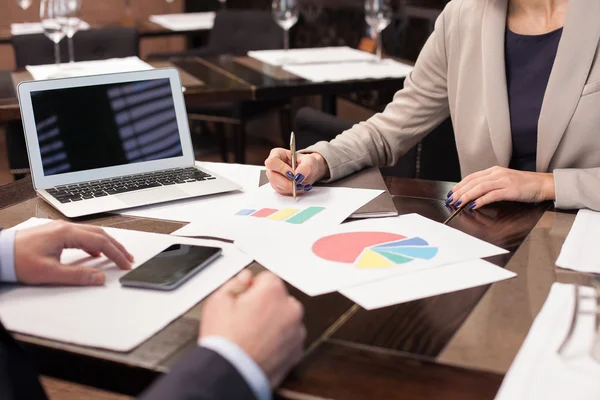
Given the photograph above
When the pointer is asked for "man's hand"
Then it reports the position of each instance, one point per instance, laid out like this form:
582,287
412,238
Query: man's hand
264,320
38,250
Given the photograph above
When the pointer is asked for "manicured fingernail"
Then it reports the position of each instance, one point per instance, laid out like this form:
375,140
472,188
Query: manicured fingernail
289,175
307,188
449,200
472,205
299,178
299,187
458,203
449,193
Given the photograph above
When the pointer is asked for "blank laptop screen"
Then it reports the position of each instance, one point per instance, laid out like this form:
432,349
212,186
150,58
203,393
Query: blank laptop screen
102,126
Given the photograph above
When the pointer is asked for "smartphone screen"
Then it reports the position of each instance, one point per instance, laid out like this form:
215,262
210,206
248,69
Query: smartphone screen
170,268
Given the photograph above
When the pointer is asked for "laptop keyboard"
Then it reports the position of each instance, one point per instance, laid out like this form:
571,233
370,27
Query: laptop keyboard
107,187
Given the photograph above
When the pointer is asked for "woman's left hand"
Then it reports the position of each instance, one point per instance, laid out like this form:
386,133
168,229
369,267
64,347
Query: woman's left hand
498,184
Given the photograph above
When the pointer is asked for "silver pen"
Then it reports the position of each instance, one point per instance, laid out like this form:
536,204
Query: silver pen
293,152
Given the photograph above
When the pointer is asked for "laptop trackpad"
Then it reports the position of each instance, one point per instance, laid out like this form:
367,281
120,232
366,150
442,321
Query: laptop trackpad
151,196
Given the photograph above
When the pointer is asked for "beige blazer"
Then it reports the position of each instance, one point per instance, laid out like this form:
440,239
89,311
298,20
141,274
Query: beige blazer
461,72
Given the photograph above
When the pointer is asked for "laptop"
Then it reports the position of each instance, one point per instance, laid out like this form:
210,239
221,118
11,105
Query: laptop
109,142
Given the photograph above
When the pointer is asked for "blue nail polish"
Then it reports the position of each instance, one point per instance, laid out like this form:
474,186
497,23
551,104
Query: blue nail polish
450,193
449,200
299,178
458,203
289,175
472,205
299,187
307,188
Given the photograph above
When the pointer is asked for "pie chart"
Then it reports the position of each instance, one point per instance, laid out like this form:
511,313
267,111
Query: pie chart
370,250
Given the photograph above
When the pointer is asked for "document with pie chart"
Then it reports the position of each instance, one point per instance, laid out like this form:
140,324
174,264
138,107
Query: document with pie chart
364,251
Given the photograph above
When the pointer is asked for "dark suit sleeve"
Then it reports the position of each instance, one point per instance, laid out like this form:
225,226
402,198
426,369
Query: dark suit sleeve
18,377
201,375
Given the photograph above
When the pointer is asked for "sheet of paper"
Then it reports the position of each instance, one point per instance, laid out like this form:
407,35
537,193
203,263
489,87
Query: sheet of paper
29,28
349,71
363,251
185,22
539,372
579,250
111,316
317,55
263,212
247,176
85,68
426,283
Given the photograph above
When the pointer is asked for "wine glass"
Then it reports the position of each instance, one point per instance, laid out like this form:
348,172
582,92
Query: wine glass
378,14
223,3
71,23
285,13
52,14
24,4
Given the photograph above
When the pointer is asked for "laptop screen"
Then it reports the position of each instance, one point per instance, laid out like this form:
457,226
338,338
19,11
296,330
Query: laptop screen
91,127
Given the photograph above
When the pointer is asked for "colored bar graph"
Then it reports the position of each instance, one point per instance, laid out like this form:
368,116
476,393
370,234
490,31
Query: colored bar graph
265,212
283,214
305,215
245,212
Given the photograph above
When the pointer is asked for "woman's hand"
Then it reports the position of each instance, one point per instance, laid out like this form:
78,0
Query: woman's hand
309,169
498,184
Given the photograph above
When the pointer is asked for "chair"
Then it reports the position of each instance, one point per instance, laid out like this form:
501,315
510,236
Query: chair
434,158
236,32
37,49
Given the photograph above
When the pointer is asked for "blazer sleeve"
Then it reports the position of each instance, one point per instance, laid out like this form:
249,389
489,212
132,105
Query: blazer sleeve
577,188
414,112
201,375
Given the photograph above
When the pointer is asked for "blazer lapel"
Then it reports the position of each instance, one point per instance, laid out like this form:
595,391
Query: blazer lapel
494,79
576,52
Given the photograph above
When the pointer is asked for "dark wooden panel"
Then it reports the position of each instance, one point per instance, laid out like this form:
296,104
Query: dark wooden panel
418,188
421,327
339,371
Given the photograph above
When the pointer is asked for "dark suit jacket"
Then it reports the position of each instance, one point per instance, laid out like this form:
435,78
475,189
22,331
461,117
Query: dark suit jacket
202,374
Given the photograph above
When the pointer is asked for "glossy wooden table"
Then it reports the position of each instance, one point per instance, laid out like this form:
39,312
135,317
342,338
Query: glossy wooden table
225,79
462,341
146,28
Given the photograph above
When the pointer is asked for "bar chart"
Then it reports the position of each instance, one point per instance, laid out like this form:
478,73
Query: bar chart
295,216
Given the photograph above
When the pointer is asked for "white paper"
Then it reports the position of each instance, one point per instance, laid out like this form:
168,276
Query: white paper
426,283
579,250
29,28
247,176
185,22
316,275
311,55
111,316
539,372
348,71
332,206
85,68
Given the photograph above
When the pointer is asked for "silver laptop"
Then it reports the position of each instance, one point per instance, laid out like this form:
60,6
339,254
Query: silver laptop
108,142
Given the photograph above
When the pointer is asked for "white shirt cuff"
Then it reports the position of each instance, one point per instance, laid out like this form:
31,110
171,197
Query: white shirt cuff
254,376
7,256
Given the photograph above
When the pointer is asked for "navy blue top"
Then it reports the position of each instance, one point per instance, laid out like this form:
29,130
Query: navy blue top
529,60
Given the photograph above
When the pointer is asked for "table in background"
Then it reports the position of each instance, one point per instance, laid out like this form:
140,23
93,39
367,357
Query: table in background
225,79
146,29
464,341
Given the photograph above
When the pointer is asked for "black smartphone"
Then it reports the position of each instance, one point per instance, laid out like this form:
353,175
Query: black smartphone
171,268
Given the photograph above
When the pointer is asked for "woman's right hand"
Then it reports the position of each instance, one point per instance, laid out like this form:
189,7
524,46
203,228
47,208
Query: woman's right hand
309,169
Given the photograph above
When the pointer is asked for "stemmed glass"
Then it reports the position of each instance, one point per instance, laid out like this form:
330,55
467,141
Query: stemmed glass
378,14
71,23
53,14
24,4
285,13
223,3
